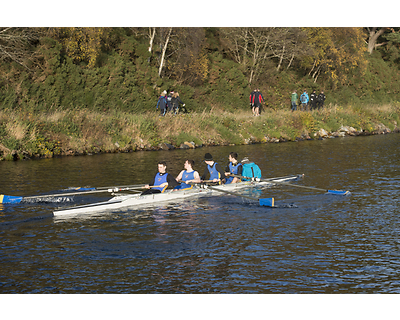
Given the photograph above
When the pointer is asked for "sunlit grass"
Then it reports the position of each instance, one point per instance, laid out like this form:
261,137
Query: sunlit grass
59,132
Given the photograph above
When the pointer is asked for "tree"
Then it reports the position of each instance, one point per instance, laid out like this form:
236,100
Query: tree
187,58
16,44
164,50
373,36
81,44
336,52
249,47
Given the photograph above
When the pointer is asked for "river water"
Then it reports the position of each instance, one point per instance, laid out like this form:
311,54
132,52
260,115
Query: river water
312,243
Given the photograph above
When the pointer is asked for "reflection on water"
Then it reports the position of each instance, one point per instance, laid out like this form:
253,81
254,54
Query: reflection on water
311,243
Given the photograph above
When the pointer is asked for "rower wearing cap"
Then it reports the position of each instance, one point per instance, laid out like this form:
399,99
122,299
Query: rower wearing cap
188,175
161,181
234,168
213,169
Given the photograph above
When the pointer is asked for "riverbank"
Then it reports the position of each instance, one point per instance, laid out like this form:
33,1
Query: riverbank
58,132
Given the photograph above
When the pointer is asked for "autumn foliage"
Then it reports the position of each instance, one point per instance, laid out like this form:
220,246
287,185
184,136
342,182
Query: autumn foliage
127,68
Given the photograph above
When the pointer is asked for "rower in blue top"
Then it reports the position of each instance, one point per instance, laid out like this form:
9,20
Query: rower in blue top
188,175
161,181
213,169
234,167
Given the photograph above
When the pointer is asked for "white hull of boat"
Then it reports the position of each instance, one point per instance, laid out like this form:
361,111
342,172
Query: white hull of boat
124,201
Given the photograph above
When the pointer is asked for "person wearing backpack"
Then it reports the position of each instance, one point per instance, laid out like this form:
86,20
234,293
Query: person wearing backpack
250,170
304,100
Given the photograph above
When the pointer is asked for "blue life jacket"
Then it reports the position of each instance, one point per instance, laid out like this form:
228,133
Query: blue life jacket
185,177
251,170
232,169
160,179
214,174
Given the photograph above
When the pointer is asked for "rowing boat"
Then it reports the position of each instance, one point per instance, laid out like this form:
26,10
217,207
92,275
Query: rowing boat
135,200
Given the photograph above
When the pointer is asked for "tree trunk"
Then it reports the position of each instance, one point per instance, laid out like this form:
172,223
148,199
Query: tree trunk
373,38
245,46
281,59
315,62
163,52
290,62
152,34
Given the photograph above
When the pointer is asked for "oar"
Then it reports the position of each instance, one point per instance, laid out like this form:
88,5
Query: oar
139,186
4,199
336,192
268,202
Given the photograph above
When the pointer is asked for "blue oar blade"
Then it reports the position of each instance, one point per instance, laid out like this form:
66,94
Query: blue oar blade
9,199
339,192
267,202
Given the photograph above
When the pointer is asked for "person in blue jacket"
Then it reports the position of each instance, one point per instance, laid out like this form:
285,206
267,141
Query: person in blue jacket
304,100
162,102
161,181
187,176
213,169
234,167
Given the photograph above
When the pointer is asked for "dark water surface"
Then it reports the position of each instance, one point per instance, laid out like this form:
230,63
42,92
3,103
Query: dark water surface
312,243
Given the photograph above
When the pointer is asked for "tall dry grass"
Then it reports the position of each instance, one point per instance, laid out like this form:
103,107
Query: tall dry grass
63,132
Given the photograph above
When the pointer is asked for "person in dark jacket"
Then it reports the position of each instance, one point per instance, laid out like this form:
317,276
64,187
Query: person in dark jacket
321,99
260,99
257,100
162,102
169,101
313,101
251,97
213,170
176,101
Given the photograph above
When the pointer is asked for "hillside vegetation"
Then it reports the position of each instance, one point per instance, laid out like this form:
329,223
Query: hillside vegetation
87,90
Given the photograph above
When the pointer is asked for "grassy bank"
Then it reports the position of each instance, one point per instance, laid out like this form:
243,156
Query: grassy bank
58,132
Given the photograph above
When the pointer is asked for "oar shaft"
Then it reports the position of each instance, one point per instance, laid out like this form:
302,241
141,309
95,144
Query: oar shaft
119,187
297,185
233,193
80,193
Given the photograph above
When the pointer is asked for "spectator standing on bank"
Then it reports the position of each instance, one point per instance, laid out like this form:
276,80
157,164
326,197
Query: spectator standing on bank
169,101
162,102
304,100
260,99
251,97
321,99
176,101
295,97
313,100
